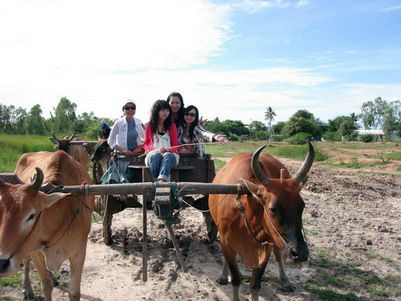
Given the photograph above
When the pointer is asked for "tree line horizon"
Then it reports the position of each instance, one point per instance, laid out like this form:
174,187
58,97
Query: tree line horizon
300,127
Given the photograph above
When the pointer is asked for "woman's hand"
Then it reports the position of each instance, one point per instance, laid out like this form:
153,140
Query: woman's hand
128,153
164,150
221,138
202,121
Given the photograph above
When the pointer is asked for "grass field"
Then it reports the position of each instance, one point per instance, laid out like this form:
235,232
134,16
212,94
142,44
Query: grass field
379,157
12,147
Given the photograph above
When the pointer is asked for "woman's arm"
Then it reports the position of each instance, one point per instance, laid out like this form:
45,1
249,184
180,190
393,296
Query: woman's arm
112,140
139,129
148,143
173,137
208,136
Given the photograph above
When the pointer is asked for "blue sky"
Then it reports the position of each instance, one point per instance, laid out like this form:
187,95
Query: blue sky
232,59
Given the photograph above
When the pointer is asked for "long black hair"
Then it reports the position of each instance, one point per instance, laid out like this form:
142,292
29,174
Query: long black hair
194,123
154,115
181,110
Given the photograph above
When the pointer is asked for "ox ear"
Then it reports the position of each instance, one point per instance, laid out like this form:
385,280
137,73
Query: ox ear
52,198
252,187
52,139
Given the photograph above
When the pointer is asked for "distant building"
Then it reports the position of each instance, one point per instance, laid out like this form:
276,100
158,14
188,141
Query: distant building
378,134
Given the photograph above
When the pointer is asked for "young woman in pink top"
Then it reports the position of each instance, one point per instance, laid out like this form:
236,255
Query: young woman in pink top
160,135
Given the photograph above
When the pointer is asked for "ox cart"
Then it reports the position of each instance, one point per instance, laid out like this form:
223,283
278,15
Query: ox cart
191,168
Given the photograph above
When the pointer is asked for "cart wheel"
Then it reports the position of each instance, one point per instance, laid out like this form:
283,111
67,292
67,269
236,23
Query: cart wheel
97,172
107,220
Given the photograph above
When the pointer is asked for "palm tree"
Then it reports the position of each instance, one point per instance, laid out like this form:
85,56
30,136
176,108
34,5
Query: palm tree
354,118
269,117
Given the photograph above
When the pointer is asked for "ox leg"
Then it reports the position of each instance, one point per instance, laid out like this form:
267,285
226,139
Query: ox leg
286,285
231,259
27,292
210,226
44,274
223,278
76,267
255,283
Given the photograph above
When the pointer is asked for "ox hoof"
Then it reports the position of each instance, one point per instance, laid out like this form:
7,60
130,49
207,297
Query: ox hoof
108,241
222,280
288,287
26,295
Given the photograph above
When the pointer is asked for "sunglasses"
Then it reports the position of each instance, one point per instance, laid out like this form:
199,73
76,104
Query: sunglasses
190,114
130,108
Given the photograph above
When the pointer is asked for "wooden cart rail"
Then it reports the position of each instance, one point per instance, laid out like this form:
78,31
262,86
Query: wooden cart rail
149,188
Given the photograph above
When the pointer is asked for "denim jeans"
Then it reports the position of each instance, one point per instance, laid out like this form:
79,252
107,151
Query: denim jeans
161,165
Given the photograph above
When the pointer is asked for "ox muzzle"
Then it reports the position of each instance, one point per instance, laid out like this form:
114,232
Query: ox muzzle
4,265
297,250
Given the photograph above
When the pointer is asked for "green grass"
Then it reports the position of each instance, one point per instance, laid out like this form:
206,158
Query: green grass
356,164
333,279
96,218
12,147
13,280
283,150
361,146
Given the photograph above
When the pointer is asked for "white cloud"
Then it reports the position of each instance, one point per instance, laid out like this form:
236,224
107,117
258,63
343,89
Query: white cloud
76,36
392,8
254,6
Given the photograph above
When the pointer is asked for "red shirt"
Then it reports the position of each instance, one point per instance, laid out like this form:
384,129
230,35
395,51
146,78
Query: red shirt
172,131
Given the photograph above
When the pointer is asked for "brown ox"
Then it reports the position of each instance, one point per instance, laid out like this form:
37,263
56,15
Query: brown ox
78,152
269,217
101,159
51,228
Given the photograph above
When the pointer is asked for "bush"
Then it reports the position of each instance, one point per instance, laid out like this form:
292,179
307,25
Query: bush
262,135
332,136
234,137
277,138
299,138
367,138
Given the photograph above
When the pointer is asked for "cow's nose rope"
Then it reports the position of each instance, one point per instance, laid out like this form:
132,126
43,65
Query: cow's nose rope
243,213
84,188
275,230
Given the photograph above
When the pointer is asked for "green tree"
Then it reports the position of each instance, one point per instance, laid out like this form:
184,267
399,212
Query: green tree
217,127
35,121
235,127
303,121
256,129
5,119
64,118
354,118
278,127
19,122
347,128
269,117
392,118
373,113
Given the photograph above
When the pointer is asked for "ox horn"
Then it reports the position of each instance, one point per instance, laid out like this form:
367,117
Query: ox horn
301,175
54,139
72,137
38,178
257,170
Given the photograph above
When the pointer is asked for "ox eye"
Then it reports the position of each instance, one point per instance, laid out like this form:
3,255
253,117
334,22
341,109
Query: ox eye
273,210
31,217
